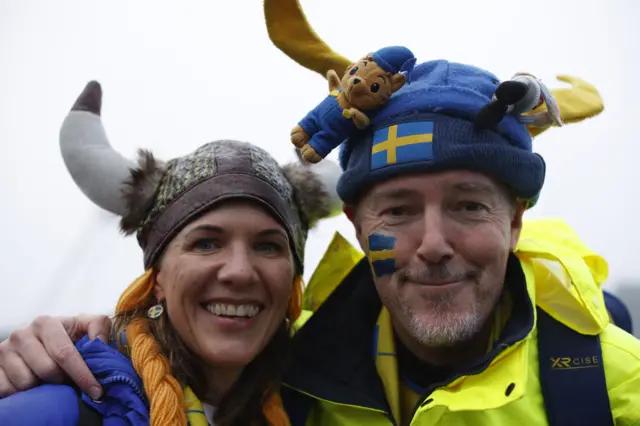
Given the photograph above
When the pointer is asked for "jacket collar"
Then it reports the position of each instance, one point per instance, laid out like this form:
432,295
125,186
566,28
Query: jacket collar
333,351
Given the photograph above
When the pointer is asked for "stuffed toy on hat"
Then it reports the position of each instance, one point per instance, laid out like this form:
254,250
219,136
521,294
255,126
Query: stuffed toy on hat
520,96
366,86
290,31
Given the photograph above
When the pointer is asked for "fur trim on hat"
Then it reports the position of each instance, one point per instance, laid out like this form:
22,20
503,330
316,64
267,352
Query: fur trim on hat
139,191
315,188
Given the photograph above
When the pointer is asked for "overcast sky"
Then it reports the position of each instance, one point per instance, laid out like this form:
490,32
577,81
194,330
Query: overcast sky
178,74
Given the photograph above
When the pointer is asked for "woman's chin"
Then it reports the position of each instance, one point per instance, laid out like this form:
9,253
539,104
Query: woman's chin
229,352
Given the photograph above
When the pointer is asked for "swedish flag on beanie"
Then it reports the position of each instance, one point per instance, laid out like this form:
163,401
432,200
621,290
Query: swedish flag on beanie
428,126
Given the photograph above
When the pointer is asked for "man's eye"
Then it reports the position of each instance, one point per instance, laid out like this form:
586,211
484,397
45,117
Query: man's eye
397,211
472,207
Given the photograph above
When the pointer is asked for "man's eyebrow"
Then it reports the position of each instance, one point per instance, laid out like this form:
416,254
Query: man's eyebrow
394,194
476,187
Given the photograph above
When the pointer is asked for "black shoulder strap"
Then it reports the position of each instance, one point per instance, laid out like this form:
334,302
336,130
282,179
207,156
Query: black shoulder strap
571,375
86,415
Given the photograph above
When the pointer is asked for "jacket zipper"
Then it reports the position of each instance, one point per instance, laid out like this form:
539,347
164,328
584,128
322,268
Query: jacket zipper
128,381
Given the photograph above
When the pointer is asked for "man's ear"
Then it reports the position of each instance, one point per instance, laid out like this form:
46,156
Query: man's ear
516,223
350,212
397,81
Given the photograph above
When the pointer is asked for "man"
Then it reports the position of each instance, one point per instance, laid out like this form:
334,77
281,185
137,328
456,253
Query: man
438,324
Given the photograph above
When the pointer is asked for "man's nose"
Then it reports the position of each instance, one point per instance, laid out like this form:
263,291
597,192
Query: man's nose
435,246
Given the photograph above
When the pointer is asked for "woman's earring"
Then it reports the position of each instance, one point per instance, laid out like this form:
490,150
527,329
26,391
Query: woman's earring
155,311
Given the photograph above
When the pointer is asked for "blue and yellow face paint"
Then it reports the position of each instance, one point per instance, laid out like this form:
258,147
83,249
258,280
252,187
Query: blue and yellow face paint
382,256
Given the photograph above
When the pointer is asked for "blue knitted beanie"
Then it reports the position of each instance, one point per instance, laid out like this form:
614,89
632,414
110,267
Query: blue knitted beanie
428,126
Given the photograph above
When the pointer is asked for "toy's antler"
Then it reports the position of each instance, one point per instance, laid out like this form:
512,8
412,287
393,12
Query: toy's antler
577,103
290,32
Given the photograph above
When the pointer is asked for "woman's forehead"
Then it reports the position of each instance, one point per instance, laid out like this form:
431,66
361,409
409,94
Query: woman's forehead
246,215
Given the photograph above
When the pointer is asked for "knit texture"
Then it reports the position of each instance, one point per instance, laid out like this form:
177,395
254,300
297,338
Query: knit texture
427,126
219,170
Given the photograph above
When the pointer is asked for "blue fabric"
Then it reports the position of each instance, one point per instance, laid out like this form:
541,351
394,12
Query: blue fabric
449,95
572,375
326,126
618,311
394,59
123,404
54,405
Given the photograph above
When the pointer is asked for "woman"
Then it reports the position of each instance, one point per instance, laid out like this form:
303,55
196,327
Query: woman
208,324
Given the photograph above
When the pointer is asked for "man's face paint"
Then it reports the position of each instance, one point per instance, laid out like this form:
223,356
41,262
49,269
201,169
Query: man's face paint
382,256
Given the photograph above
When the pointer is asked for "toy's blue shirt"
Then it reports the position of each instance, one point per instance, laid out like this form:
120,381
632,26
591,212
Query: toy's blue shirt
123,404
327,126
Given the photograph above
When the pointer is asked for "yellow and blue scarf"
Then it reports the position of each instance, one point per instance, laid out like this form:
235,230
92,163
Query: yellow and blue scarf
194,409
401,398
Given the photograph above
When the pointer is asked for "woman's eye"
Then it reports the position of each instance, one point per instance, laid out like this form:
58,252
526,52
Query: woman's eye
269,248
205,245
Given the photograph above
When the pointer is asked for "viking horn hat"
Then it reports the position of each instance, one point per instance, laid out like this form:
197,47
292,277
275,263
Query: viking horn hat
155,199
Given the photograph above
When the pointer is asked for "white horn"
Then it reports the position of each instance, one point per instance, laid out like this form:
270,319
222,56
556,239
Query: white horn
97,169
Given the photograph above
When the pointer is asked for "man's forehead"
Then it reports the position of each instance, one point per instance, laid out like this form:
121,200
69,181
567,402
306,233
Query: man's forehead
450,181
